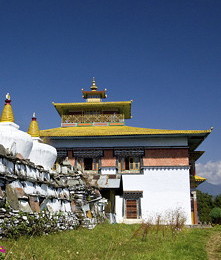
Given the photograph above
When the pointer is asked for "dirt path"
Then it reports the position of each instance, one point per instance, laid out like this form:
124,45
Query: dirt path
214,247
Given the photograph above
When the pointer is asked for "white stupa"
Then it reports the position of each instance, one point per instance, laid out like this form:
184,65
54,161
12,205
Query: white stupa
41,154
11,137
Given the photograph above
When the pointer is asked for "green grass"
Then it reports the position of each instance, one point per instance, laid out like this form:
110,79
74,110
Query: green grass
112,242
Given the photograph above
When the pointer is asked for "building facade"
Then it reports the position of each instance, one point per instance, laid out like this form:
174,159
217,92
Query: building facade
157,167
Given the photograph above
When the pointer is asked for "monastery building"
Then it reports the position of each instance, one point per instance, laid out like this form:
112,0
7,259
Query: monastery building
156,167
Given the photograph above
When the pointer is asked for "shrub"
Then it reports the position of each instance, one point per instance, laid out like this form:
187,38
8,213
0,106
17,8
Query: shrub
215,215
172,224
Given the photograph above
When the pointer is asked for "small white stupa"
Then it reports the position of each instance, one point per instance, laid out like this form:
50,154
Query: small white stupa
11,137
41,154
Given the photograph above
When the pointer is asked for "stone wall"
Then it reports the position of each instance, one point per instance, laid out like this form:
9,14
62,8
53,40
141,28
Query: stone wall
27,188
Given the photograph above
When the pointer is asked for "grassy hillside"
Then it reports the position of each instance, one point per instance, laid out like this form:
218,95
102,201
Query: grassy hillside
116,242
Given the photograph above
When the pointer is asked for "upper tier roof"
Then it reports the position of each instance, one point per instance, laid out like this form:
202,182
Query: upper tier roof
101,94
123,106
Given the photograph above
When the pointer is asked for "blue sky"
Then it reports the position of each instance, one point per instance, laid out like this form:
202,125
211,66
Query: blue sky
163,54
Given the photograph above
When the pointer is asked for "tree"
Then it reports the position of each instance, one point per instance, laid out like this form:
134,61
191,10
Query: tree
217,201
215,215
205,205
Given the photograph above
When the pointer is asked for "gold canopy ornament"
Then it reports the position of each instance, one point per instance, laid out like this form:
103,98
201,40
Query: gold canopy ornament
33,129
93,86
94,95
7,112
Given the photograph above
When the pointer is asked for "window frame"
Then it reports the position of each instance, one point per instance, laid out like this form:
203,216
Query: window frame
129,196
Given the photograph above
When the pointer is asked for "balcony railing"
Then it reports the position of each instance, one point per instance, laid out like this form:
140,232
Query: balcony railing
92,118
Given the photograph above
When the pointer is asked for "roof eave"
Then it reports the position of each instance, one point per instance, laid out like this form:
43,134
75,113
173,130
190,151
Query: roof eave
59,106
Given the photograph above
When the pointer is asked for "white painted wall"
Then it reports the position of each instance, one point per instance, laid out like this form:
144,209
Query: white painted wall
164,190
119,209
108,170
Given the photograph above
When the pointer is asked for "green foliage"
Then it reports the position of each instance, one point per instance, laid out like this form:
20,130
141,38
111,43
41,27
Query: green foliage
217,201
215,215
205,205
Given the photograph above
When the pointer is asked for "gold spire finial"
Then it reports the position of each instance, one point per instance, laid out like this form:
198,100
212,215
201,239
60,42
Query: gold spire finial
7,112
33,129
8,96
93,86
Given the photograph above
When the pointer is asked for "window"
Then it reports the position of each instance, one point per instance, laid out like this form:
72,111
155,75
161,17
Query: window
131,208
132,204
132,163
88,160
129,164
88,164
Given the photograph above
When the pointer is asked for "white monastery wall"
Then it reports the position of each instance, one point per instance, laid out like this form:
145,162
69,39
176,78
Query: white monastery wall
119,209
108,170
165,189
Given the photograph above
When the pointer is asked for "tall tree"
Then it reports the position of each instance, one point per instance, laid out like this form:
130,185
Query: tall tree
205,205
217,201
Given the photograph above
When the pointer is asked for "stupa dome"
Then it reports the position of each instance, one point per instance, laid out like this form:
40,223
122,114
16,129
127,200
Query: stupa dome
41,154
11,137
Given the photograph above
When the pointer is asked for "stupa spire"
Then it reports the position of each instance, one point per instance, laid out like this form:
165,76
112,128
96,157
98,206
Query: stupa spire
7,112
33,129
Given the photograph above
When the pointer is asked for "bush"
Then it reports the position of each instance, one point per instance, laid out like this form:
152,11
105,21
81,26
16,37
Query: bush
215,215
205,205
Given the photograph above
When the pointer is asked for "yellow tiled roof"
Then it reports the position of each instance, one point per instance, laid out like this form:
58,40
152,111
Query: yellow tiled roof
114,131
123,106
200,179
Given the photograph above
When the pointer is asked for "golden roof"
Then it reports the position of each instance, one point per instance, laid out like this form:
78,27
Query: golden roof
199,179
7,112
33,129
123,106
195,181
116,131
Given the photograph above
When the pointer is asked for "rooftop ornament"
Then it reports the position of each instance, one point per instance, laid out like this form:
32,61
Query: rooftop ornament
33,127
13,139
7,112
93,86
94,95
41,154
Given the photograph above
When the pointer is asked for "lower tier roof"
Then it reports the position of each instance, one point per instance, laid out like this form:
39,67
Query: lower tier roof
115,130
195,137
